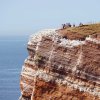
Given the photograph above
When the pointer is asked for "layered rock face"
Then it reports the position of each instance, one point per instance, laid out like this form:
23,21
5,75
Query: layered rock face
61,69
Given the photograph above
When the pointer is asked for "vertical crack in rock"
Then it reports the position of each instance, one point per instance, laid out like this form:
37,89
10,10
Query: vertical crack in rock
79,60
61,69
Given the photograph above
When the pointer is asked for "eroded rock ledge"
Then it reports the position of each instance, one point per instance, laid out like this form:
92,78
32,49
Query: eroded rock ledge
58,68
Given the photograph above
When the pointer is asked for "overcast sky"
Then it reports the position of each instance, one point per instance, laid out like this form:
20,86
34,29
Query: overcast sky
28,16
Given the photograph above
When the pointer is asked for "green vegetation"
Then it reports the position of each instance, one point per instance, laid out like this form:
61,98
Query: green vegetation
86,29
80,32
39,60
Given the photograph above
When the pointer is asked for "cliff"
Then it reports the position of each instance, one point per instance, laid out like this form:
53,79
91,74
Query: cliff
61,66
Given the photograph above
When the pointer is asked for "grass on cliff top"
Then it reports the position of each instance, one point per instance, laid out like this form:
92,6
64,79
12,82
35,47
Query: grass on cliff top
86,29
81,31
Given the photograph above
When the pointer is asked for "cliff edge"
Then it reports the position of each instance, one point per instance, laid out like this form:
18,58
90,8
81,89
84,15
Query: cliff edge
62,65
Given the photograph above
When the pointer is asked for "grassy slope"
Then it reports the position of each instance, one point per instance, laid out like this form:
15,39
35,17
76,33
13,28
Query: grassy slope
81,31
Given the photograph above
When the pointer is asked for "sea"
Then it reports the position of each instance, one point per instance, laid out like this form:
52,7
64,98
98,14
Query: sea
12,55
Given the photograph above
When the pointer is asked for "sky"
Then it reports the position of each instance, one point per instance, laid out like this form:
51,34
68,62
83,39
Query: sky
28,16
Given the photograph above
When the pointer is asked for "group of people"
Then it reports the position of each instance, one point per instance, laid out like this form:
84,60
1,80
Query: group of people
64,26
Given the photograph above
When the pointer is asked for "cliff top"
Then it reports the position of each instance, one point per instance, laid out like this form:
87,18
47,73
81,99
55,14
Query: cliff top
80,32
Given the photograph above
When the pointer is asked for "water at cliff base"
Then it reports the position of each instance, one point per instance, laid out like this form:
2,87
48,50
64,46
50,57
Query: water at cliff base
12,55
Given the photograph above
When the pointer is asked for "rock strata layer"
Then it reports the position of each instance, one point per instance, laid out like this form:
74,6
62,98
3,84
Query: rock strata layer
61,69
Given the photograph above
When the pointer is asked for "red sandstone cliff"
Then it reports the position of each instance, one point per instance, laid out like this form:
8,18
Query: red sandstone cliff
60,68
